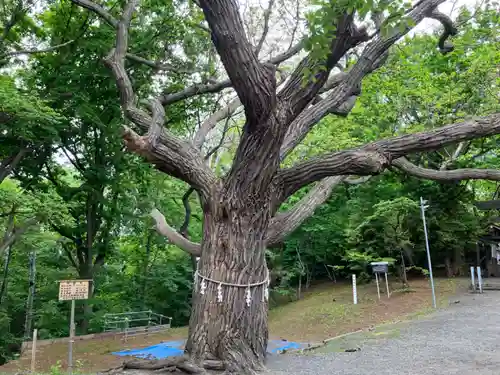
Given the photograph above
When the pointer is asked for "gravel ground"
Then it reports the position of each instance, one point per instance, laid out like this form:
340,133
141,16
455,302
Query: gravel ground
462,339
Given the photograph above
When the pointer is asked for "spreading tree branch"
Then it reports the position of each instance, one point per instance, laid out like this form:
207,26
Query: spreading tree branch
284,223
15,233
443,175
374,157
298,95
98,10
265,31
253,81
373,56
449,30
221,114
213,120
173,236
167,152
37,51
200,89
10,163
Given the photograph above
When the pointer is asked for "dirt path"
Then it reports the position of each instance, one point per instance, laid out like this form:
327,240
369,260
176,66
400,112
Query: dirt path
462,339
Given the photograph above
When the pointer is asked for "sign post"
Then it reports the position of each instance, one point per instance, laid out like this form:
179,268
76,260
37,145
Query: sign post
423,207
72,290
381,268
472,278
354,290
479,279
33,351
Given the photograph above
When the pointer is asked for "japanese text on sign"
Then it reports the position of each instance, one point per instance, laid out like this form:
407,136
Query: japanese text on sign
73,289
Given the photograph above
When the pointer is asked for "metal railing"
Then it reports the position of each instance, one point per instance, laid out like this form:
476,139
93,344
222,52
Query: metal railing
136,323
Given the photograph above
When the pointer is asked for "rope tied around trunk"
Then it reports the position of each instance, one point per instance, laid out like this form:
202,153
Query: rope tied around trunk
248,286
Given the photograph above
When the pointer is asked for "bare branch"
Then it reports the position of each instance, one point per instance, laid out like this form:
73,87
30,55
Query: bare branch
159,66
99,10
304,123
174,157
197,89
70,256
185,198
183,230
267,17
201,89
356,180
458,151
157,121
284,223
451,175
173,236
37,51
113,22
213,120
374,157
449,30
296,95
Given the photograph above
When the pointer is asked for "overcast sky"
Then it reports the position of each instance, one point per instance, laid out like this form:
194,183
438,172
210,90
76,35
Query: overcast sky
450,8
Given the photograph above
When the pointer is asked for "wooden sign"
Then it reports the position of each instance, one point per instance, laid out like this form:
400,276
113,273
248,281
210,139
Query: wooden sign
73,289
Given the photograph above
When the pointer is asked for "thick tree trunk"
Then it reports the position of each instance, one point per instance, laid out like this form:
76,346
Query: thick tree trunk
86,273
404,277
231,330
448,266
5,279
28,322
457,262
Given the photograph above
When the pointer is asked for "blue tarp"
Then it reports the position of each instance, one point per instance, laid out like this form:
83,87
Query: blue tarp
175,348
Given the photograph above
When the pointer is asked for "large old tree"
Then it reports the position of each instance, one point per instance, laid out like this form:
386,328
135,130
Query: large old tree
229,315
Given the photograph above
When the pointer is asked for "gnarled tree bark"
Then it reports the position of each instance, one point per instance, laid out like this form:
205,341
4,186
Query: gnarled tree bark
233,252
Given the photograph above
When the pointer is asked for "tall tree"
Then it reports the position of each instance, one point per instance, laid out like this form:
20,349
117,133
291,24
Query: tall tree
229,317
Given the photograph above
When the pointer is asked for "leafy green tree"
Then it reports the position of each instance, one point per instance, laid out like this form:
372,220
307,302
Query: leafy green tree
28,129
389,230
93,177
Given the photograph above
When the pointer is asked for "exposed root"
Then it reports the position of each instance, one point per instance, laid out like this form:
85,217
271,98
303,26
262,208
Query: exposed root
213,364
175,365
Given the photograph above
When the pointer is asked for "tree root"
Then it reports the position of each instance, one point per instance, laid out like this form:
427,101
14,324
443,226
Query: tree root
176,365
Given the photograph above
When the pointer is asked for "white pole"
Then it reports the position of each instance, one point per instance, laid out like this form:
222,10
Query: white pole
387,285
422,208
472,278
378,285
354,291
71,337
33,351
479,279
